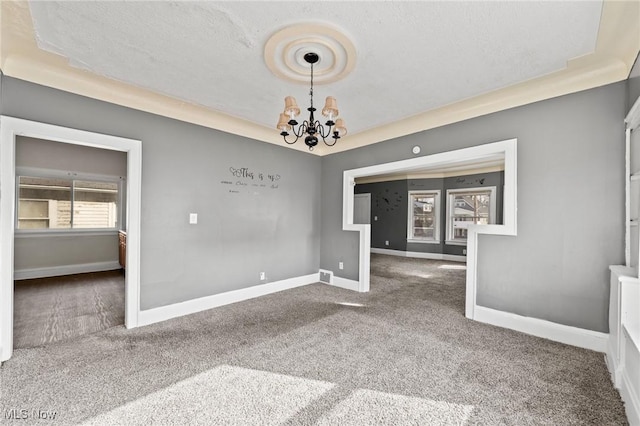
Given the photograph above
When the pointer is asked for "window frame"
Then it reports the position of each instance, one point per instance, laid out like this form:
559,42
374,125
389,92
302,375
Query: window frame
436,193
71,176
451,193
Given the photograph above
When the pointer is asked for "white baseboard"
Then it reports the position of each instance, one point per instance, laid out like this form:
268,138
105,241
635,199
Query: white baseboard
452,258
420,255
588,339
56,271
150,316
345,283
629,383
615,369
324,272
340,282
388,251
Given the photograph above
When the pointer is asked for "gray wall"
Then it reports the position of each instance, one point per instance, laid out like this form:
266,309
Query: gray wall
633,84
43,154
570,204
185,169
64,250
33,252
392,217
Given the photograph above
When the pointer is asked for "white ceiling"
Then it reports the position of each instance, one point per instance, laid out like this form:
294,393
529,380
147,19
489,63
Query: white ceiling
411,57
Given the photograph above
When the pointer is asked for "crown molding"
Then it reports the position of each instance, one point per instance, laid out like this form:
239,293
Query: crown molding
617,47
21,58
427,175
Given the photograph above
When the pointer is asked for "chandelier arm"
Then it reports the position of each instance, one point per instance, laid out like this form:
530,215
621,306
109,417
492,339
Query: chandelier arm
302,129
320,127
330,132
335,139
290,143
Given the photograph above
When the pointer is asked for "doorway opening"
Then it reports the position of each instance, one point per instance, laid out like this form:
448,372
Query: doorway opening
12,128
70,216
501,154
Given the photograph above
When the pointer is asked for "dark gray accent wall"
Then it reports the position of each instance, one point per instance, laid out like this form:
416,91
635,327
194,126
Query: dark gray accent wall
570,204
244,228
389,204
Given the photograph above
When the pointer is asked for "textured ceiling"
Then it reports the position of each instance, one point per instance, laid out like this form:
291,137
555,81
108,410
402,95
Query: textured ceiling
411,56
416,65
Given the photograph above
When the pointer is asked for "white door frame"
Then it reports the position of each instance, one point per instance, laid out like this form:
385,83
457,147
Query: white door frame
506,149
11,127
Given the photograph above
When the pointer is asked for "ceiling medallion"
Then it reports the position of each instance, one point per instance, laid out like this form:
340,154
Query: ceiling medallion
284,53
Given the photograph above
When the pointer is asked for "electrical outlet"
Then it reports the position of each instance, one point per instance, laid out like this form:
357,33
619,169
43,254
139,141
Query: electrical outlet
341,265
375,218
464,251
386,243
193,218
263,276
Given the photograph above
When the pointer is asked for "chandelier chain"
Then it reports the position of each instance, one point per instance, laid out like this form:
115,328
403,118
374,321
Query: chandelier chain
311,89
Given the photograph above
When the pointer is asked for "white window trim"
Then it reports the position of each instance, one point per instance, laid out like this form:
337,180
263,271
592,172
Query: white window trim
436,231
73,176
492,210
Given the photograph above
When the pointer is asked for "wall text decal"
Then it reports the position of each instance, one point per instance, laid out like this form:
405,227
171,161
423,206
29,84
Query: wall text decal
250,179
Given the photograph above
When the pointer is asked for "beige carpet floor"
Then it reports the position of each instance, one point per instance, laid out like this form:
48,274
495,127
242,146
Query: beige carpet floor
55,309
401,354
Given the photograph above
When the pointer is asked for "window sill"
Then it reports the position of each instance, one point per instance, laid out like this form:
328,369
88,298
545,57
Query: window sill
64,233
455,243
411,240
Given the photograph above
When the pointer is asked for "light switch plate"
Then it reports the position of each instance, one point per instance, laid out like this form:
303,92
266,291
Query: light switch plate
193,218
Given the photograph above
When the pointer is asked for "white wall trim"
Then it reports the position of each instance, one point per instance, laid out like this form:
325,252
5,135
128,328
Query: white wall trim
340,282
163,313
506,150
436,229
588,339
56,271
613,365
364,230
448,215
627,196
632,119
629,384
631,400
11,127
420,255
346,284
454,258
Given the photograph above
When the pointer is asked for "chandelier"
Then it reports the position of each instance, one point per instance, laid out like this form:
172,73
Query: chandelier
312,128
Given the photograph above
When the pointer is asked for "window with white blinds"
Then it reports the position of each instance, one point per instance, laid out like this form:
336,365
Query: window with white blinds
59,203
